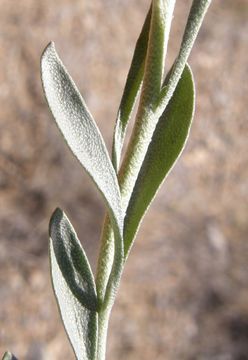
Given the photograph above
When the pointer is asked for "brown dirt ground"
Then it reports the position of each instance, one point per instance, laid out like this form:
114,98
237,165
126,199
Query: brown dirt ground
184,292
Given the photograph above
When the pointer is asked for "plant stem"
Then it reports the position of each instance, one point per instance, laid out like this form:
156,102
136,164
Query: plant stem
103,320
145,124
105,259
159,33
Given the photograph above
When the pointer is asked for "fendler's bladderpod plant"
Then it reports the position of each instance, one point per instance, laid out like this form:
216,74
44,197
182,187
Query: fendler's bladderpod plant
162,125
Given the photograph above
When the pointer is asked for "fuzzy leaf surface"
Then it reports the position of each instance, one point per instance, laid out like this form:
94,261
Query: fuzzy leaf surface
80,131
195,18
161,17
74,286
167,143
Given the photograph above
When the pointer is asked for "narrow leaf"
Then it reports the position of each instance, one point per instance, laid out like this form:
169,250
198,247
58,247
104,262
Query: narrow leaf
167,143
74,286
9,356
133,83
84,139
195,19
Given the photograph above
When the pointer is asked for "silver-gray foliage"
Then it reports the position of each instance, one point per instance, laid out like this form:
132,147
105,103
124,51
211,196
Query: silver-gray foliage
161,129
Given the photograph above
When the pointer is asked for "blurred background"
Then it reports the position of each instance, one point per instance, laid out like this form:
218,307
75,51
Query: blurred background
184,291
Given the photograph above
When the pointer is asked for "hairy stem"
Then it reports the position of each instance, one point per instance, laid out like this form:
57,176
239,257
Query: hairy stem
103,320
196,16
159,33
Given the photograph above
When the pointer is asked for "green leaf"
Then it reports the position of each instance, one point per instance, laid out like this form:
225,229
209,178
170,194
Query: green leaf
9,356
133,83
167,143
74,286
152,47
84,139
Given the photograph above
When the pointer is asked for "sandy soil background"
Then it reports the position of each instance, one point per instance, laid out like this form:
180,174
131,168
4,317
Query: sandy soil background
184,292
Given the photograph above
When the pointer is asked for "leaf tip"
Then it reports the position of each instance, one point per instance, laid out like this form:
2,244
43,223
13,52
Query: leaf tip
49,48
47,58
56,218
